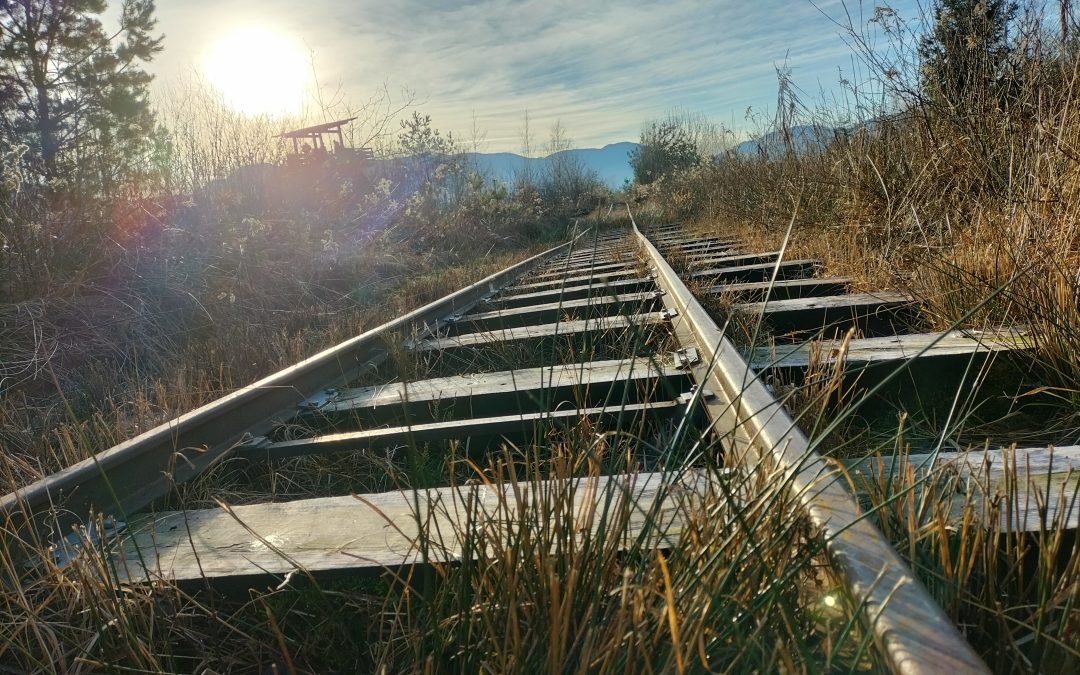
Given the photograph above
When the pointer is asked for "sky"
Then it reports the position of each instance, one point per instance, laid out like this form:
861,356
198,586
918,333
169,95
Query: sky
600,68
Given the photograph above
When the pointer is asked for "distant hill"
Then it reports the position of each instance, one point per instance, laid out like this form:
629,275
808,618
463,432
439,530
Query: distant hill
611,163
805,139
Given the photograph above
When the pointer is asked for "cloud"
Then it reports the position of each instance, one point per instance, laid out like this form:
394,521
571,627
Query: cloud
602,68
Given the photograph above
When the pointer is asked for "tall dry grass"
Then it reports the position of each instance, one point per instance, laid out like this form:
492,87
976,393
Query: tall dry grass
956,202
541,585
969,204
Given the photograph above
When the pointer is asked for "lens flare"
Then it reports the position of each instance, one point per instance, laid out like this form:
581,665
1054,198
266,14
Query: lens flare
259,72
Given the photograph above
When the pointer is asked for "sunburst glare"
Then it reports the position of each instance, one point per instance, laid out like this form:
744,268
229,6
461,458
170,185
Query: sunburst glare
259,72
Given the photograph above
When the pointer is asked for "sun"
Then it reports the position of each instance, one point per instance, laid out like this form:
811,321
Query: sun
259,72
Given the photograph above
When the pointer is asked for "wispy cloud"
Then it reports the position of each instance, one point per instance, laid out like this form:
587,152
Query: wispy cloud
600,67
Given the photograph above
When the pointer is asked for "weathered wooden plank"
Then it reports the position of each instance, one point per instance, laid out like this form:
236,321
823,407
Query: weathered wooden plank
680,240
606,323
573,269
518,424
598,252
393,529
692,253
859,352
582,254
559,303
505,384
701,245
872,313
689,254
583,261
783,290
1014,489
600,242
596,279
609,267
705,249
573,293
586,253
604,305
787,269
710,245
827,302
718,260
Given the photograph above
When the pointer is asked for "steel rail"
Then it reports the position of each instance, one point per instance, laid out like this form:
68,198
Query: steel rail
912,630
138,471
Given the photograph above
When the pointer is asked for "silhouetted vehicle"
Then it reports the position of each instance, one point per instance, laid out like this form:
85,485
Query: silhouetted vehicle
309,145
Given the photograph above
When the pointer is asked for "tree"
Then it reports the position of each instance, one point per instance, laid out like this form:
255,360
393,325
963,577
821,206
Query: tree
74,94
419,139
524,180
665,146
965,54
426,147
566,180
432,162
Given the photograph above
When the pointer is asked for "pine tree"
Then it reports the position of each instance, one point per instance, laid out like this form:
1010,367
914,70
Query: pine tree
965,55
74,94
665,146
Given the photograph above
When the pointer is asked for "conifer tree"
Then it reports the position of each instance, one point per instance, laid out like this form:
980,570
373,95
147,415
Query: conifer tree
965,54
665,146
73,92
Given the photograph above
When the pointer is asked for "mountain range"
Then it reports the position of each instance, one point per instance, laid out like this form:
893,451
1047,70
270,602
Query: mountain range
805,139
611,163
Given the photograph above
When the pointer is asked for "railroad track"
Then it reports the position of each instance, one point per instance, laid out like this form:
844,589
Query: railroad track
604,329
